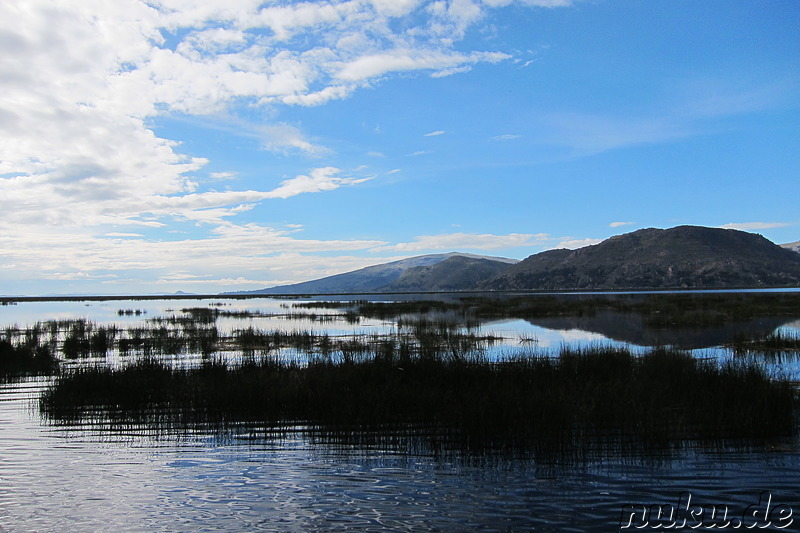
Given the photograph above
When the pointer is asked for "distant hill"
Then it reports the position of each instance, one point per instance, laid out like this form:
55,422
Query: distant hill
457,273
379,278
793,246
684,257
680,257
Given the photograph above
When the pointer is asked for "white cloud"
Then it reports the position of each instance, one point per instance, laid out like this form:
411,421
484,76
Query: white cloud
451,19
283,137
534,3
434,133
400,60
95,201
465,241
279,137
506,137
321,179
81,80
572,244
333,92
548,3
394,8
619,224
750,226
82,170
450,72
193,281
249,250
222,175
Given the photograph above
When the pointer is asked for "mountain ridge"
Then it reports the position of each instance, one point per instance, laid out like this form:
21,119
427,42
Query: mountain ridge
372,278
682,257
793,246
457,273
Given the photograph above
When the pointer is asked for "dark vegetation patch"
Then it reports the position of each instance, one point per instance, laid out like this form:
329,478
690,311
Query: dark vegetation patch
571,403
29,352
25,360
663,310
426,385
772,344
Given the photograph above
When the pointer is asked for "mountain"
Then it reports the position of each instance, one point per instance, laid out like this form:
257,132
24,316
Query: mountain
457,273
793,246
633,328
684,257
379,278
680,257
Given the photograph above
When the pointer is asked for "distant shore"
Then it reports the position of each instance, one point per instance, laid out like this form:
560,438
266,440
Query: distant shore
5,300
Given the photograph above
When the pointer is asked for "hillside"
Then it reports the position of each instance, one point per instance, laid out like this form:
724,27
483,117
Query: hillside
456,273
689,257
680,257
793,246
376,278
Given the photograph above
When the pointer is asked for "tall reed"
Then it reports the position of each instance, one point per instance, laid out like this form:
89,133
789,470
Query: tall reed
573,401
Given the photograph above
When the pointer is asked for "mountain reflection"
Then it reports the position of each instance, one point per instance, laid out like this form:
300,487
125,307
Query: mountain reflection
634,328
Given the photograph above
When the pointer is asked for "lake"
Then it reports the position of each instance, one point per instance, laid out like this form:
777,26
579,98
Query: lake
93,477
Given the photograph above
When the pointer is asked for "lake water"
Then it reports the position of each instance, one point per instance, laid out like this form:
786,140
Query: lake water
86,478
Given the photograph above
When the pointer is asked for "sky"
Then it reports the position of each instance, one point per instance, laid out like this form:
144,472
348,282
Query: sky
222,145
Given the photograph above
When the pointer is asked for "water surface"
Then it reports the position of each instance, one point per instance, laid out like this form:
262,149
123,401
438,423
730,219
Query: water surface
83,477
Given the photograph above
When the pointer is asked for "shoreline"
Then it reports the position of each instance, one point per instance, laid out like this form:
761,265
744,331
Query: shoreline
6,300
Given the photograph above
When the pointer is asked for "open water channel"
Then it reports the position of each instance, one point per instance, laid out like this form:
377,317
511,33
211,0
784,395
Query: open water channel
84,478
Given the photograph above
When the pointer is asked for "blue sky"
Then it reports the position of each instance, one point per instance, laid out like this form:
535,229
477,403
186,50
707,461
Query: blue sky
208,146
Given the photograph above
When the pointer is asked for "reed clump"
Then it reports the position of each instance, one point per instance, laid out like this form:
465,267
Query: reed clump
25,359
773,344
573,401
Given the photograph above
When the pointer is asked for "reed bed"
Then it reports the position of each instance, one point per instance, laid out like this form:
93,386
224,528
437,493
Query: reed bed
575,401
780,348
660,310
71,339
428,384
25,360
775,343
196,332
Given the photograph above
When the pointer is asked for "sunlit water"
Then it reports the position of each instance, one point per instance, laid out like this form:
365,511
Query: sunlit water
78,478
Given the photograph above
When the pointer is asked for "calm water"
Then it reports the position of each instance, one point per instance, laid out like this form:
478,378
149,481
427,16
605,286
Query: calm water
86,479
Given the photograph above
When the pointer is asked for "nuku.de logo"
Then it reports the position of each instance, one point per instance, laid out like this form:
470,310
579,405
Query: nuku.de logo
689,515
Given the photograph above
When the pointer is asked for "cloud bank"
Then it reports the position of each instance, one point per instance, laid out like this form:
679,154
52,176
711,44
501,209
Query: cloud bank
83,174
